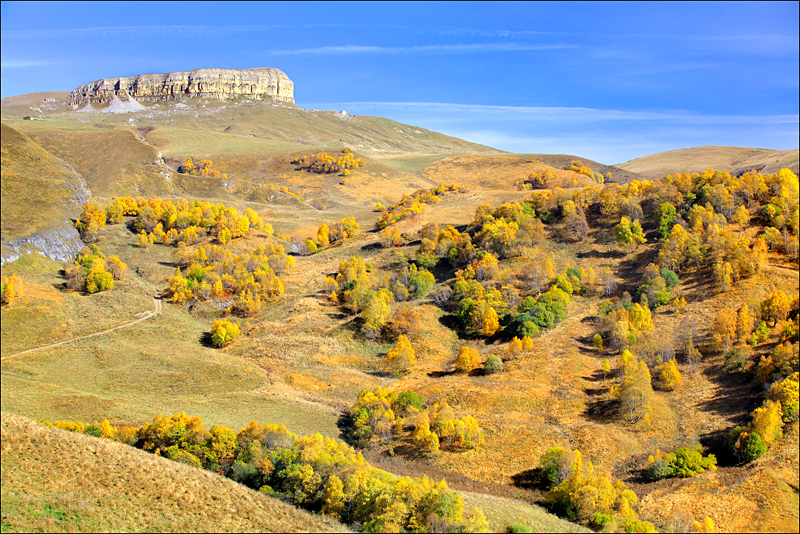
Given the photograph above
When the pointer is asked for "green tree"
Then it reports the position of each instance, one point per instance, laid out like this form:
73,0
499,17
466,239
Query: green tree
665,217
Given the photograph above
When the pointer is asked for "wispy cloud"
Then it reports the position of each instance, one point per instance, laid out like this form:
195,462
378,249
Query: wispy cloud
605,135
422,49
580,114
144,31
21,64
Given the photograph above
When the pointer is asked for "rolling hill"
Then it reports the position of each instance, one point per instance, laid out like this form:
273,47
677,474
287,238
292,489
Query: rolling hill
735,160
58,481
303,358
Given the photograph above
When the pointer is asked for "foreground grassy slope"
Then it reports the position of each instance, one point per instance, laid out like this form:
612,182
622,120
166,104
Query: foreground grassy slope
57,481
734,160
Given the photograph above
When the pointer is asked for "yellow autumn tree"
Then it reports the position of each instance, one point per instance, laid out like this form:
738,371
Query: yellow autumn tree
776,307
323,234
724,329
467,360
670,376
402,356
491,323
768,421
223,332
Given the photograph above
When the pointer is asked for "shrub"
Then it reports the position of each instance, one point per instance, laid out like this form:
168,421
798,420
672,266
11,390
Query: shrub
518,526
407,399
745,446
492,364
223,332
556,466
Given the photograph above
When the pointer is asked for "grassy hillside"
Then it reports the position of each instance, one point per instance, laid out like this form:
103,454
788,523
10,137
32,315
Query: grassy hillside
735,160
303,358
57,481
39,189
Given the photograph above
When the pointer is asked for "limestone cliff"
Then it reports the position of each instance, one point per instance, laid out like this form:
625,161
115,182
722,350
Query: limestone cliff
258,84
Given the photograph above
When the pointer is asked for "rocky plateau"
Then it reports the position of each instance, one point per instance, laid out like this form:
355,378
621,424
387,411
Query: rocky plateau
258,84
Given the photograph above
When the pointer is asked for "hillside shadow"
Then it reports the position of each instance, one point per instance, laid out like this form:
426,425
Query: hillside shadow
736,395
598,254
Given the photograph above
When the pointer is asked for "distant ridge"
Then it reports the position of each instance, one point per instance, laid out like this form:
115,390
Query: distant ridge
735,160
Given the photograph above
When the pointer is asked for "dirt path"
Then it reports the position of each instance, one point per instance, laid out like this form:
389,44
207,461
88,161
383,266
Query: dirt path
146,316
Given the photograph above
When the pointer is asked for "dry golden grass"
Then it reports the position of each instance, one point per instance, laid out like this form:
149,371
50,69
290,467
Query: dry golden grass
35,187
303,360
113,162
721,158
57,481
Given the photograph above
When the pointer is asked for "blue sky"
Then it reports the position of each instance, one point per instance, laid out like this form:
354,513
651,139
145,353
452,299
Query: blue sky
605,81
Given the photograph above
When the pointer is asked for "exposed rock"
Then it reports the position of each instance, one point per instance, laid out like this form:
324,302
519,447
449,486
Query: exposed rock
60,244
126,104
259,84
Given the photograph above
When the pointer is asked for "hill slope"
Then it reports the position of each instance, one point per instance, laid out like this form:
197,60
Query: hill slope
54,481
735,160
40,194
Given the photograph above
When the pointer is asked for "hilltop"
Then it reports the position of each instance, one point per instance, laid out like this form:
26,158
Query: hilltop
735,160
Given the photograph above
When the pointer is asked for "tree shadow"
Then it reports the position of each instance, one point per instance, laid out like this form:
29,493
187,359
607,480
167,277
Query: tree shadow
371,246
451,322
597,254
206,340
596,376
736,397
603,410
714,443
530,479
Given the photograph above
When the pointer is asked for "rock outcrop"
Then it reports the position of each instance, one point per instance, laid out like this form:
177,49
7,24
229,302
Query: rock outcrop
258,84
60,244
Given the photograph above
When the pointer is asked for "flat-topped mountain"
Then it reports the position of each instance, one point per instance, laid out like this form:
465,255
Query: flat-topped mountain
258,84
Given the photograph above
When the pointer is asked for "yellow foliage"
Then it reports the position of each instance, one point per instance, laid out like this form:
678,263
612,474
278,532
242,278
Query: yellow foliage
402,356
467,360
767,422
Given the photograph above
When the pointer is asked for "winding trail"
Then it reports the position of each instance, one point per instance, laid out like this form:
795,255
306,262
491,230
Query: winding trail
146,316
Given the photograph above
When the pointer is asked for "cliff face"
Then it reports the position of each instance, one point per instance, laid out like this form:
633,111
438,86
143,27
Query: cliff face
257,84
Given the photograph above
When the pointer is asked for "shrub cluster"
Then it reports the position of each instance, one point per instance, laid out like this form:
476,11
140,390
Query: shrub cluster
211,272
684,462
388,417
92,271
204,167
410,206
324,164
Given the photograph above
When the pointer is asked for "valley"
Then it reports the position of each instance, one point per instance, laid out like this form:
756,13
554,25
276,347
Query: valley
527,248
